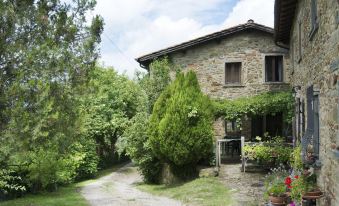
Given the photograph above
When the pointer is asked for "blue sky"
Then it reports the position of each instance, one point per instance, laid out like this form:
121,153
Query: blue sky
137,27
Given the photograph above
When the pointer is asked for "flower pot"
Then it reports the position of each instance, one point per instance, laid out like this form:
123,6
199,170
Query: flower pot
313,194
278,201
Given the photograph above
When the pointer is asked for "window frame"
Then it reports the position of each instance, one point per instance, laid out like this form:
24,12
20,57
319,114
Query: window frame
240,73
299,48
281,72
314,18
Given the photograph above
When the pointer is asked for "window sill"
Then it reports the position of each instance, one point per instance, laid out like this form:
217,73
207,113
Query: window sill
232,85
313,31
275,83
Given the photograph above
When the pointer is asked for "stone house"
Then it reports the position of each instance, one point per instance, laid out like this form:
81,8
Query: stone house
309,29
240,61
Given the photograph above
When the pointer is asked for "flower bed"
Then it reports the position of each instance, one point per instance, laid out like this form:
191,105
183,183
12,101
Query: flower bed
270,153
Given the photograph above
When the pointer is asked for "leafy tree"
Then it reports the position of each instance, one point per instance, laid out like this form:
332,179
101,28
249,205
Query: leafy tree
156,80
181,124
47,50
111,102
135,140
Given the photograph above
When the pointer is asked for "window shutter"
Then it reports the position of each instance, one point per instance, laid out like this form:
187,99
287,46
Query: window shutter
314,13
307,138
316,137
233,72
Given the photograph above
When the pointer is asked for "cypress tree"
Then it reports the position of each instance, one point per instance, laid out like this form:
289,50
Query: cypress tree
181,124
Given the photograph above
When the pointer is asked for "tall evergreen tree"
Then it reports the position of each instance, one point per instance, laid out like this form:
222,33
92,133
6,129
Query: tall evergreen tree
181,124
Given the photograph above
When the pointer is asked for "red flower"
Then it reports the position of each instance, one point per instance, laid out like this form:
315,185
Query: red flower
288,182
296,177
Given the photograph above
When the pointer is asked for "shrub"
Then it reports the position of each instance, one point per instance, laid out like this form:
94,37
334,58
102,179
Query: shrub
87,158
269,152
181,123
49,168
136,145
296,159
11,184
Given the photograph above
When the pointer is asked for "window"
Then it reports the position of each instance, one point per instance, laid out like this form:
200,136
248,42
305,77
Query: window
310,140
299,42
273,68
231,128
233,73
314,18
270,124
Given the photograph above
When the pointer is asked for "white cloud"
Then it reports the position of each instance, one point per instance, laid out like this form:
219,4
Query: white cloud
143,26
261,11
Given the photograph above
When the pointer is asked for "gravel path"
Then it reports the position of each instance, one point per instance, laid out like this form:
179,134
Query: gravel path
118,189
247,188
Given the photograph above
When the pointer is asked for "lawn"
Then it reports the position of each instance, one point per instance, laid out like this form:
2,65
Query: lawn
202,191
65,196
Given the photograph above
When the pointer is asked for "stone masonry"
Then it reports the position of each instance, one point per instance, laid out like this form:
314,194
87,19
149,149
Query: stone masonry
248,47
318,65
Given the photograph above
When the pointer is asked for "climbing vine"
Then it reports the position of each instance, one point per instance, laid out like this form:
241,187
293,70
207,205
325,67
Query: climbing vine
262,104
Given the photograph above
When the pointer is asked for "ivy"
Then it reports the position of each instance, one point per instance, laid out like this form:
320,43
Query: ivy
259,105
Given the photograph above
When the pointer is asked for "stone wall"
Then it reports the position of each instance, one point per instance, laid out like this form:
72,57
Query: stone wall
318,65
249,48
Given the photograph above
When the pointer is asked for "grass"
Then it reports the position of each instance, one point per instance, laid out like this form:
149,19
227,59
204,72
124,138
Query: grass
65,196
203,191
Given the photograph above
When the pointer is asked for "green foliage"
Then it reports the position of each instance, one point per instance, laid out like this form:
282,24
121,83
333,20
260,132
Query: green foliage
87,158
298,189
135,142
48,168
10,183
181,123
270,152
263,104
112,100
302,185
275,182
296,159
65,196
201,191
156,81
47,50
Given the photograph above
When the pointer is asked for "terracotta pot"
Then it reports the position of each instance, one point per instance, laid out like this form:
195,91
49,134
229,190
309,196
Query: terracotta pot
313,194
278,201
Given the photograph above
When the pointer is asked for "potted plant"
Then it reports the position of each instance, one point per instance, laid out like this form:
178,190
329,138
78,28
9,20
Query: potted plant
312,191
305,187
275,187
298,187
277,194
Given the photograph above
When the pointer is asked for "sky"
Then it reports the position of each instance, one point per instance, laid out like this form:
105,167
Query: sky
137,27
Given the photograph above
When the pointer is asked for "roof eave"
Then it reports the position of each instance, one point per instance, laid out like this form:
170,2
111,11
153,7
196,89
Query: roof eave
203,39
284,12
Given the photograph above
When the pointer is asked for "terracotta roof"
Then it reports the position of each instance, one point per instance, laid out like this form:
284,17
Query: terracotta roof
146,59
284,11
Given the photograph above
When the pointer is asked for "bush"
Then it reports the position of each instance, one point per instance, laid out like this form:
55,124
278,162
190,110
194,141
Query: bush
181,123
266,153
11,184
50,168
87,158
136,145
